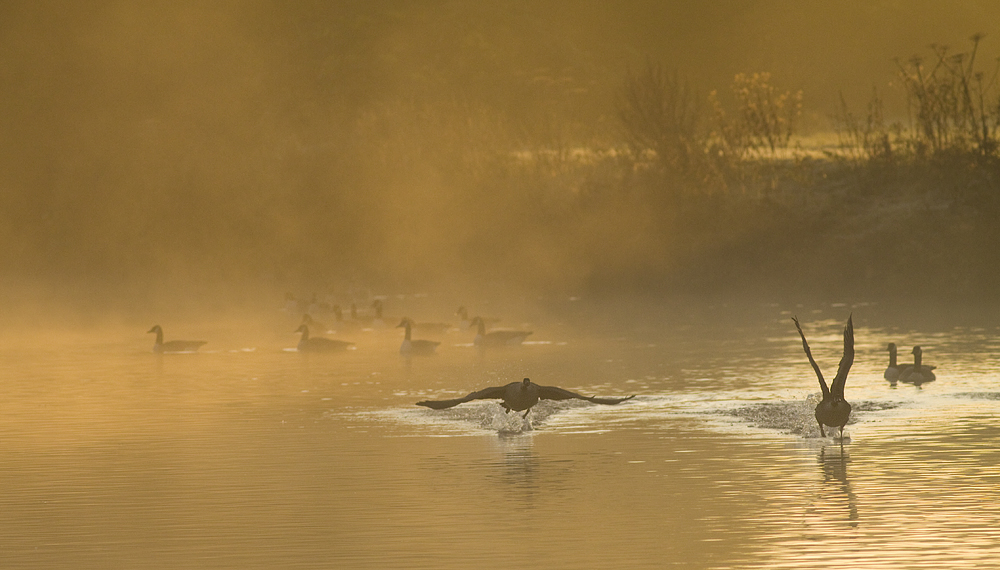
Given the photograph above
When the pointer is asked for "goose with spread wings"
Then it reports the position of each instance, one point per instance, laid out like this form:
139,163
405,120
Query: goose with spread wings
833,410
520,396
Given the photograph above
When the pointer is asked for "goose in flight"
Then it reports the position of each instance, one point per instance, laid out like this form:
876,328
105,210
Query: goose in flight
496,338
833,410
520,396
919,373
415,347
318,343
173,345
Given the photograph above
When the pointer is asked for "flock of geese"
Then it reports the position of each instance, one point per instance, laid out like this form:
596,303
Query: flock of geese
409,347
832,411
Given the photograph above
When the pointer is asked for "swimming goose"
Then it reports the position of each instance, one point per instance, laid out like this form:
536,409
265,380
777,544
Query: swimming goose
311,322
465,323
318,343
174,345
518,396
918,373
892,371
834,410
496,338
415,347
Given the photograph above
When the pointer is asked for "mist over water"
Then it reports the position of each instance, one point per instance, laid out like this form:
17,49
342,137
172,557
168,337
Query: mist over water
170,153
248,454
225,170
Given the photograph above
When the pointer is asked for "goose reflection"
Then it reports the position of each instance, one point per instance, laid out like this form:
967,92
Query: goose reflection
833,465
516,464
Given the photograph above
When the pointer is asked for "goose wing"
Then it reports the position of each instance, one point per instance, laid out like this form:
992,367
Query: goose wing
805,346
554,393
837,386
491,393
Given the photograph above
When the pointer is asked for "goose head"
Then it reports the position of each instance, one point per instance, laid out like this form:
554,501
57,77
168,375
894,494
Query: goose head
302,329
155,329
405,322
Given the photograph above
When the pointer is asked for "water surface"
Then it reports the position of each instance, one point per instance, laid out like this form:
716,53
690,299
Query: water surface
250,455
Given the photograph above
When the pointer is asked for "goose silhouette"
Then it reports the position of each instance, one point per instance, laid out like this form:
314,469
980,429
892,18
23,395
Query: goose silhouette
892,371
520,396
318,343
465,322
919,373
173,345
496,338
833,410
415,347
311,322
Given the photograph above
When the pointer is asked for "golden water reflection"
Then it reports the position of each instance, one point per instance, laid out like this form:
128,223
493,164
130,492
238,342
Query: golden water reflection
264,458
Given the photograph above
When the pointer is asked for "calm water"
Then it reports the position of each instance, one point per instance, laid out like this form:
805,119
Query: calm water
250,455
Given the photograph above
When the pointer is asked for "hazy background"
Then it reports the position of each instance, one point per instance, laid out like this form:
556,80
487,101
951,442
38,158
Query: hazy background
157,153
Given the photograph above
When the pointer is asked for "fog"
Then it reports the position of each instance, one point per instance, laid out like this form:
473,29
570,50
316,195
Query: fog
162,154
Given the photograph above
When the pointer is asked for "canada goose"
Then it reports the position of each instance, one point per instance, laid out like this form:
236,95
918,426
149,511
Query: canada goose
893,370
415,347
318,343
174,345
311,322
834,410
496,338
465,323
518,396
918,373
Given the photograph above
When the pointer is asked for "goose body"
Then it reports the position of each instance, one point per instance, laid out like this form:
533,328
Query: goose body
892,371
173,345
311,322
496,338
418,347
520,396
465,323
919,373
319,344
833,410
